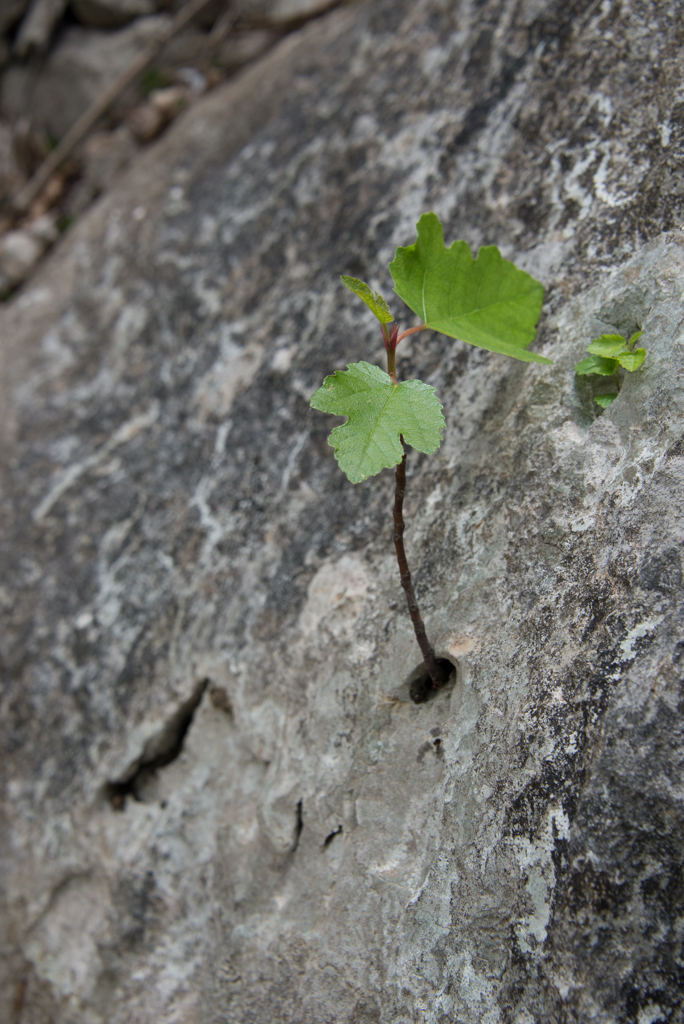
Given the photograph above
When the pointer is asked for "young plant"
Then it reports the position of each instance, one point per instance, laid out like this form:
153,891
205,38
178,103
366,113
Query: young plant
609,353
487,302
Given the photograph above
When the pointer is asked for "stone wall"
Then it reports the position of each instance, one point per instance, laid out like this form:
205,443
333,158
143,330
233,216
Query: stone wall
219,803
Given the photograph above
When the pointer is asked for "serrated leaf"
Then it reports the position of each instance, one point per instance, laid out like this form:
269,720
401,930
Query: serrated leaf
486,301
608,345
596,364
635,337
379,412
374,300
605,400
632,360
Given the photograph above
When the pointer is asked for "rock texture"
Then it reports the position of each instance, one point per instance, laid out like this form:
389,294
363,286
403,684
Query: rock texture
218,802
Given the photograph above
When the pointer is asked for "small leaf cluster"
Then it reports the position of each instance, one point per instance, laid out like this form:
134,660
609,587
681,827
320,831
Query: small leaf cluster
483,300
609,353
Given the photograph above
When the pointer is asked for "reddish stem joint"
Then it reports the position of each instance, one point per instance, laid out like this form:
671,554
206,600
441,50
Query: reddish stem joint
390,340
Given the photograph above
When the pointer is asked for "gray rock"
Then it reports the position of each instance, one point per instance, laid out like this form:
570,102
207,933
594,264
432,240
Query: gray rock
187,48
35,31
111,13
19,253
218,803
20,250
102,159
283,11
147,119
294,10
240,48
105,155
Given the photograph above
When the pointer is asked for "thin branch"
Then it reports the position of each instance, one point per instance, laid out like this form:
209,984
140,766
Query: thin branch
412,330
392,363
437,673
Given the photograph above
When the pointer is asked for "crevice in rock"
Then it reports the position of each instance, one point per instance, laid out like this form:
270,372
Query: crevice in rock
299,824
328,839
420,685
160,750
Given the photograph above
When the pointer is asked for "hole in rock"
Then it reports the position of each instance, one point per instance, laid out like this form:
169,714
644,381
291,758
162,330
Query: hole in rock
218,695
328,839
160,750
420,685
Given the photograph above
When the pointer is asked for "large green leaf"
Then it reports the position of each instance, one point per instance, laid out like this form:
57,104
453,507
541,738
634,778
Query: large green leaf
379,412
373,300
486,301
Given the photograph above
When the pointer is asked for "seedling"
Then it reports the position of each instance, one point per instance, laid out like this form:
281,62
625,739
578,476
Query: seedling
486,302
609,353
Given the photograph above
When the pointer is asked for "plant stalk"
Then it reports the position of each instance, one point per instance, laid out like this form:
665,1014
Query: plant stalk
437,673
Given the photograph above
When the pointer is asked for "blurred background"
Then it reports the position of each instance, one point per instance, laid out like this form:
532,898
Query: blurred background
105,78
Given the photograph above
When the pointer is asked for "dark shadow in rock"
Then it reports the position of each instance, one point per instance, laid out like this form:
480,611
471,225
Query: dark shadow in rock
160,750
328,839
420,685
299,825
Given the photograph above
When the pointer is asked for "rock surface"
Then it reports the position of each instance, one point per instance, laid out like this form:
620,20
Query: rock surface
35,31
21,250
218,803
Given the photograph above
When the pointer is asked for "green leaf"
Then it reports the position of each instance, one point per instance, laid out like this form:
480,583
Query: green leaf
605,400
632,360
373,300
487,301
608,345
597,364
379,412
635,337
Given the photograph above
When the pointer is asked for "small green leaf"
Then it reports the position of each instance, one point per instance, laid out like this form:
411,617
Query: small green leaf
608,345
632,360
486,301
635,337
605,400
373,300
597,364
379,412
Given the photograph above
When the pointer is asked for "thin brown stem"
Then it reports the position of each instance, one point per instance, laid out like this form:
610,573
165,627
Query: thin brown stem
411,330
437,673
